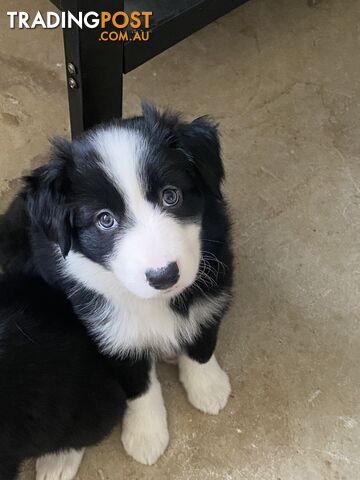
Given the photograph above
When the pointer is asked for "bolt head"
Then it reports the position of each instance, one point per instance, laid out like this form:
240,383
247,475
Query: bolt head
72,83
71,68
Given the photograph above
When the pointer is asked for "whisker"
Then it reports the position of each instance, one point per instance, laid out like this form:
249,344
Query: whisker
212,241
211,257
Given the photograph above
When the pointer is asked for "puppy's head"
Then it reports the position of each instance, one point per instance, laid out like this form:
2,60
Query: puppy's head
130,196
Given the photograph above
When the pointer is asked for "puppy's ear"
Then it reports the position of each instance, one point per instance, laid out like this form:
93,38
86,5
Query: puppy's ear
46,196
200,139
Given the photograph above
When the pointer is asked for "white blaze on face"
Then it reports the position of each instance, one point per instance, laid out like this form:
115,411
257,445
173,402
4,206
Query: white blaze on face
153,239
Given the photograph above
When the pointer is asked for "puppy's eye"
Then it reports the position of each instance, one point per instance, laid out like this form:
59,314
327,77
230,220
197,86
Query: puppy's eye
171,196
105,220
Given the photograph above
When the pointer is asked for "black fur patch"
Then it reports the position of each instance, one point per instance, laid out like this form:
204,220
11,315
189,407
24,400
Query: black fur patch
57,391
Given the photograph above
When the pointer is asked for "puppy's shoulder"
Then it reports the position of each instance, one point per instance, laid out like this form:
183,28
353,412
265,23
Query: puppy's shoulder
31,312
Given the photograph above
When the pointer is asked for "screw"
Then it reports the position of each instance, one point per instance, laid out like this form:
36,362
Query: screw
72,83
71,68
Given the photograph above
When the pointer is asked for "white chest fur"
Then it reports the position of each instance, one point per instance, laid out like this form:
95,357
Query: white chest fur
152,325
125,323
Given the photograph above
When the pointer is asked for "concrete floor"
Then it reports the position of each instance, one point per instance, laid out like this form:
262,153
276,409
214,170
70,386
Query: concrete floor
283,80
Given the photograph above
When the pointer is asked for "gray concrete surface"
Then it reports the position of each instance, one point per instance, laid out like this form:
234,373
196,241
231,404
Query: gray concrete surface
282,78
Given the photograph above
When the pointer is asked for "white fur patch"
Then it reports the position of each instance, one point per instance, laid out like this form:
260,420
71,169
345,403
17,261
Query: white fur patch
132,323
145,434
59,466
207,385
121,151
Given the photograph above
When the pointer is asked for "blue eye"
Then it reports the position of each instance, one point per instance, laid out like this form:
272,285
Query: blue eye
105,220
171,196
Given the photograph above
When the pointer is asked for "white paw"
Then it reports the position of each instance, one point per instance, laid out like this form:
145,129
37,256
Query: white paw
59,466
145,442
145,434
207,385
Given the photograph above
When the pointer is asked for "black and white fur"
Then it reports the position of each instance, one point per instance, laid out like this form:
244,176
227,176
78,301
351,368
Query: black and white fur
122,170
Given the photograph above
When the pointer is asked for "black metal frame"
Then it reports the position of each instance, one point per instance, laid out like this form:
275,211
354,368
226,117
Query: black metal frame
95,71
172,31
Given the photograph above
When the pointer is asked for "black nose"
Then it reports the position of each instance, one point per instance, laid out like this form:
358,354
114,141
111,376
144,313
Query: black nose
163,278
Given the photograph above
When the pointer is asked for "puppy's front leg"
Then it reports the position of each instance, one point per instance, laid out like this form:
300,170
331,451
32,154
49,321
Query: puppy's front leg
145,434
207,385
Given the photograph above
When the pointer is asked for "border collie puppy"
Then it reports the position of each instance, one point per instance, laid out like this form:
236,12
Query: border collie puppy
130,223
